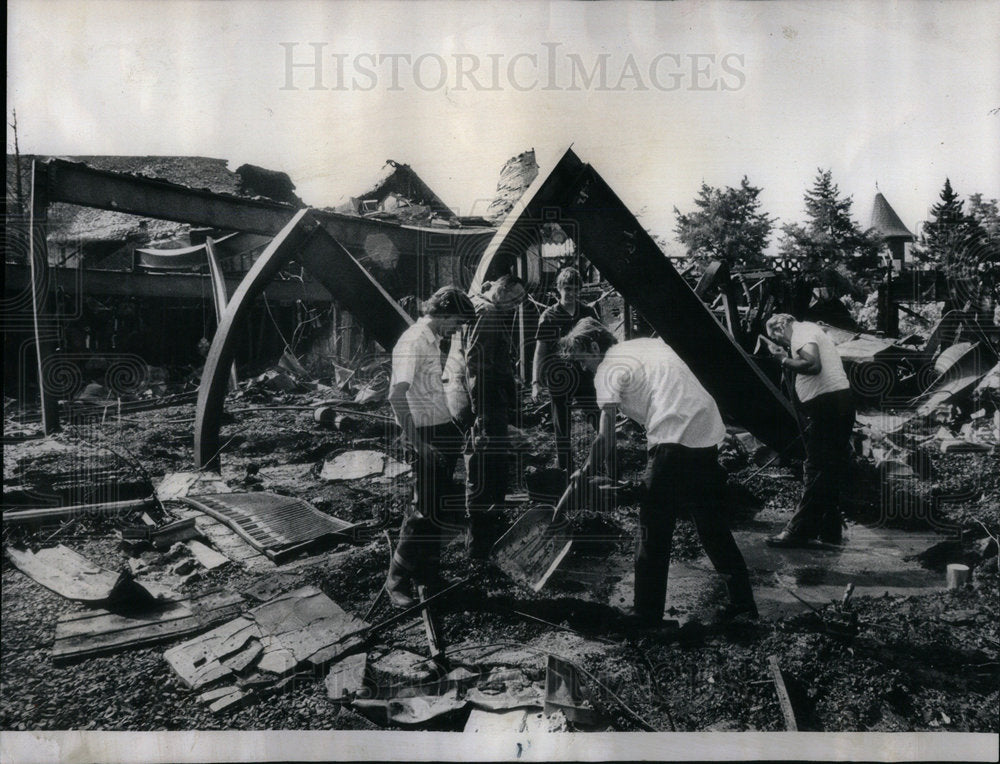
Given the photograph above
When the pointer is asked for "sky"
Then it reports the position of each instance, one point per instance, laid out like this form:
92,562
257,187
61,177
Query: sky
658,97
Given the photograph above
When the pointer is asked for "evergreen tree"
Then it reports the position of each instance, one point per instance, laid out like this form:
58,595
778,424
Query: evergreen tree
830,239
727,225
956,242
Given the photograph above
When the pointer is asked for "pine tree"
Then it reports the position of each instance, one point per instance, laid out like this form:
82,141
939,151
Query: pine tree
728,225
957,242
830,239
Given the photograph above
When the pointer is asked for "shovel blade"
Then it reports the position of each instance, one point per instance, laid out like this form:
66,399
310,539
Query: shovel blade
532,549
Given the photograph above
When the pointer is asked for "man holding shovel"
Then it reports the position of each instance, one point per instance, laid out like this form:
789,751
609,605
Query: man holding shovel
650,384
417,397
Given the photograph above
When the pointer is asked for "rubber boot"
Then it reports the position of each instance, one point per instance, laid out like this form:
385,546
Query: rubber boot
399,586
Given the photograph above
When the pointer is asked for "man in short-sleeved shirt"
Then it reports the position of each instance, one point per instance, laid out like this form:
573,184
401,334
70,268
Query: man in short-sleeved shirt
831,376
567,382
824,391
650,384
416,361
417,397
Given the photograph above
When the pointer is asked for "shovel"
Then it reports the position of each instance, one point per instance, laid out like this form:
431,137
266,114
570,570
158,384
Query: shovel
534,546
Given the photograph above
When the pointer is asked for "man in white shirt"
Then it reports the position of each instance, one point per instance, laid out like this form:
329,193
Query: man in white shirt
417,397
824,391
650,384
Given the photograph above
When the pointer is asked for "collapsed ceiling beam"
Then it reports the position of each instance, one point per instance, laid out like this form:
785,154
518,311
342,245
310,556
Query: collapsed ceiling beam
380,240
305,240
576,197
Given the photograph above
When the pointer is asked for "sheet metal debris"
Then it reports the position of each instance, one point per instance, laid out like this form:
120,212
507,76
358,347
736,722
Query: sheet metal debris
276,525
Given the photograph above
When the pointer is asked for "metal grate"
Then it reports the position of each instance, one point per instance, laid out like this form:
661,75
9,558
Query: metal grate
269,522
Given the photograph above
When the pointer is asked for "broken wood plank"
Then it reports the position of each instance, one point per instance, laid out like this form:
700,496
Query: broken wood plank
51,514
207,557
98,632
783,700
167,535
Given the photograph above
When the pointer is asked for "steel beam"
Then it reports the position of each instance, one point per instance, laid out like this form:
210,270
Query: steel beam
348,282
576,197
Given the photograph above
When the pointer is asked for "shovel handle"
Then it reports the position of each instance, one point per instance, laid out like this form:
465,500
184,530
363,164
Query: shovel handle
559,512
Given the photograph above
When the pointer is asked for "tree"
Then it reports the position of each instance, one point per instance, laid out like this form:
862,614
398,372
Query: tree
728,225
986,213
956,242
830,239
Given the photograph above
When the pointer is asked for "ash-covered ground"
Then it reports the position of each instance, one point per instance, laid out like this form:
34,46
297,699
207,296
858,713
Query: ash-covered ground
924,662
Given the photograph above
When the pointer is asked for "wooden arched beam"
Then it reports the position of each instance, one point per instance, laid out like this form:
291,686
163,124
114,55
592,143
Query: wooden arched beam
304,240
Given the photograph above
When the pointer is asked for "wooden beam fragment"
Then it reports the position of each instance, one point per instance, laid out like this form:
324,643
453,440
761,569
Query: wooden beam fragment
783,699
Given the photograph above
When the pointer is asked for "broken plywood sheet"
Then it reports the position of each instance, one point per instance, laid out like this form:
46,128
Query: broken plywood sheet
346,678
256,649
98,632
356,465
74,577
176,485
207,557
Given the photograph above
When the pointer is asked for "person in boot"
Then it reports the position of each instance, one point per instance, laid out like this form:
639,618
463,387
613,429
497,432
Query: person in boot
649,383
417,397
492,395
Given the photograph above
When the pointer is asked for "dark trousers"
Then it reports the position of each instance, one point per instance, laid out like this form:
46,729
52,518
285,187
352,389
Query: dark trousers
583,398
438,506
678,480
486,460
829,423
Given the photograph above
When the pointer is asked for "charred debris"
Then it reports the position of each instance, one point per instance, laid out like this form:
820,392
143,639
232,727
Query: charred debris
202,478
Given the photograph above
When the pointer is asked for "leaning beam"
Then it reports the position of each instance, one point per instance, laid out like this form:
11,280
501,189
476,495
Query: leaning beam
41,301
576,197
350,285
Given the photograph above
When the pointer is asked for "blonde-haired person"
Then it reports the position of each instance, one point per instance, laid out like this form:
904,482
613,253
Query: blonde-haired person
417,397
567,383
649,383
824,391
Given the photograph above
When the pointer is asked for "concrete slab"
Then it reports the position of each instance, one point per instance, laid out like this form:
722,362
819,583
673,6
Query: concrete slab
873,559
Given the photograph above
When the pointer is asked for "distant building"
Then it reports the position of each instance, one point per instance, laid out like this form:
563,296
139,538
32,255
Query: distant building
895,236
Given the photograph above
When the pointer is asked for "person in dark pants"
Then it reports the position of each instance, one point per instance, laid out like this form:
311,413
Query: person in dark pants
482,394
650,384
417,397
567,382
822,386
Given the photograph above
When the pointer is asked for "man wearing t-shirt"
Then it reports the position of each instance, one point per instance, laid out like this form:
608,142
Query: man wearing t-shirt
825,393
566,381
417,397
649,383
